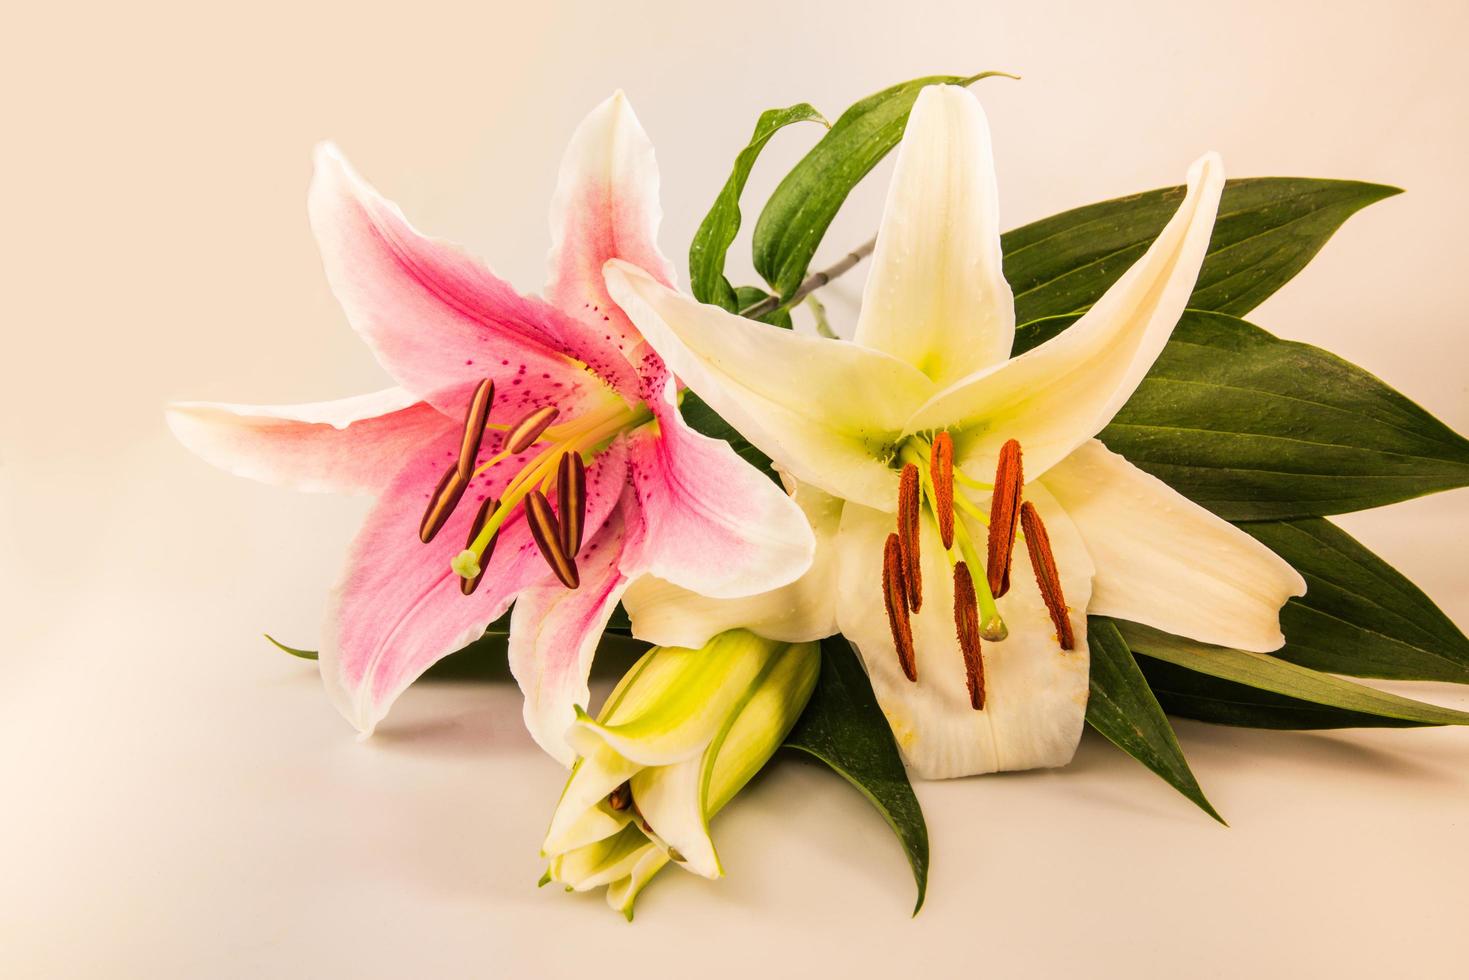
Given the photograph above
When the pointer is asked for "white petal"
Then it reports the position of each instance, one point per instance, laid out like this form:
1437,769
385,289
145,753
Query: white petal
671,799
622,893
1062,393
668,615
1164,561
937,295
1035,692
825,410
602,862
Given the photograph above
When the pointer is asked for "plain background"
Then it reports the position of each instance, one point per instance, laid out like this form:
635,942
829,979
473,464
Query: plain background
179,799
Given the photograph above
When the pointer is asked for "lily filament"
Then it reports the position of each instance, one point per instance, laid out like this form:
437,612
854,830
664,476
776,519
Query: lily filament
558,460
926,488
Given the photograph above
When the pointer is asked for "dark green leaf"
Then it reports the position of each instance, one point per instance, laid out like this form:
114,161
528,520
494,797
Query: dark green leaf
1189,694
702,418
797,215
748,296
1258,428
1259,670
1359,615
712,240
844,728
1123,709
1268,229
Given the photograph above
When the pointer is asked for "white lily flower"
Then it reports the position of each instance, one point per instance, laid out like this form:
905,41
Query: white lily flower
924,415
679,736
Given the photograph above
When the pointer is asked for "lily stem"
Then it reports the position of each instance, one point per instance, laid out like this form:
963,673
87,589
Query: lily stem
811,283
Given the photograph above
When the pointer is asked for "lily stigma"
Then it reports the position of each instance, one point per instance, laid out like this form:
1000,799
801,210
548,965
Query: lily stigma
530,457
904,447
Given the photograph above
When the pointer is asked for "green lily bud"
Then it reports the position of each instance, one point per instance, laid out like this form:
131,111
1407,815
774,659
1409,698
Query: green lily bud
679,736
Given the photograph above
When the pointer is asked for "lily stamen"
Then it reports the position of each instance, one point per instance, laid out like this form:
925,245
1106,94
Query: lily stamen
941,476
475,418
1047,579
524,434
966,625
546,531
442,502
621,797
909,506
1004,515
895,598
571,498
468,583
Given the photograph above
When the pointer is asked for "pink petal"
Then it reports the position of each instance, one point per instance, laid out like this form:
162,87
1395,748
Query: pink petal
554,634
710,521
353,445
438,320
605,207
399,609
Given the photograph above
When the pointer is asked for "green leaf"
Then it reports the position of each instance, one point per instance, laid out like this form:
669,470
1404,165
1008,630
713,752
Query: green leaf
1123,709
303,654
797,215
701,418
1268,229
1359,615
1267,673
1188,694
844,728
712,240
748,296
1258,428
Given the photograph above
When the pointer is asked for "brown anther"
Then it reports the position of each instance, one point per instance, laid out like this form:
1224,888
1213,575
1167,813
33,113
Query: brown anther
1047,579
966,624
523,434
941,472
621,797
547,532
1004,515
474,426
908,535
468,585
441,505
894,596
571,500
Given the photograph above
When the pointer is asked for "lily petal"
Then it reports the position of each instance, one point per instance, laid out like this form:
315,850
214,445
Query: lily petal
1164,561
353,445
605,207
937,296
436,317
1057,396
671,799
822,409
601,862
1036,692
665,614
621,894
680,711
554,633
711,523
398,608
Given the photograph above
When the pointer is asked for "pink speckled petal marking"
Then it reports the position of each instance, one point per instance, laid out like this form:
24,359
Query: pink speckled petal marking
435,316
398,608
353,445
554,634
712,523
605,207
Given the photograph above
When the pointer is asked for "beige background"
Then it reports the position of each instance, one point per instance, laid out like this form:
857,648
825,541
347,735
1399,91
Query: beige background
179,800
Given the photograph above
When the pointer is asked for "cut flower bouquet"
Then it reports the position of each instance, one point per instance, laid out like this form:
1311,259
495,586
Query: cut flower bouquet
1049,478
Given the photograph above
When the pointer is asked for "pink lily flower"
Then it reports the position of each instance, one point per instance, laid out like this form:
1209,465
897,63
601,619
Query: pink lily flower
531,453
